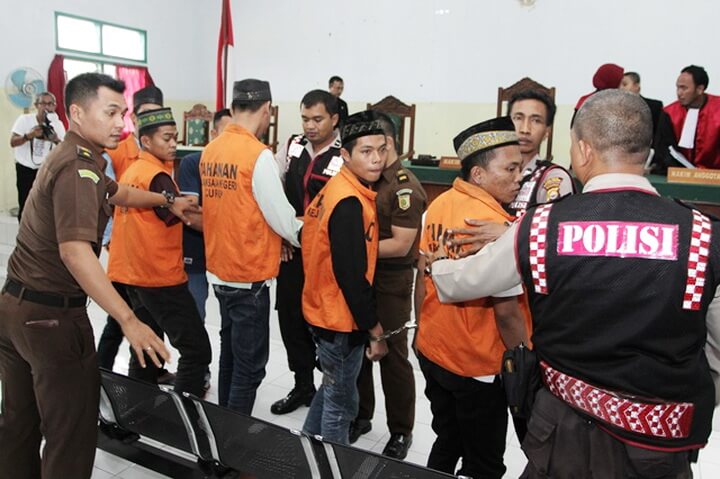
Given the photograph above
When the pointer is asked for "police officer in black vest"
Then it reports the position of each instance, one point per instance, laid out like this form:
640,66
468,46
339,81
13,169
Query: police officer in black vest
306,163
623,287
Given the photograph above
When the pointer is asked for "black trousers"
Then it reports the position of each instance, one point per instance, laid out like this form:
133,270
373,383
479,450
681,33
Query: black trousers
293,328
561,443
393,292
470,420
50,388
112,335
24,181
175,312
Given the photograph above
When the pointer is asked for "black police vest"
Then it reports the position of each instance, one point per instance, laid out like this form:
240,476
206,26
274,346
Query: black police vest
306,176
613,284
527,196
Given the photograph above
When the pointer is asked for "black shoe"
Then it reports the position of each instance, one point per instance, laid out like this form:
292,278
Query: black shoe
299,396
357,428
398,445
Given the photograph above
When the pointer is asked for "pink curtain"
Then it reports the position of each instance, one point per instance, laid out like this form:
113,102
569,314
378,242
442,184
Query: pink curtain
135,78
56,86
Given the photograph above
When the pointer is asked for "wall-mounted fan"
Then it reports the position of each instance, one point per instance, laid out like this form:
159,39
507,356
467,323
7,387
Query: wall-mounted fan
22,85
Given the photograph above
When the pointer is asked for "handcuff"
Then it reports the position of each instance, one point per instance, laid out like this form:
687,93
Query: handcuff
169,198
389,334
428,266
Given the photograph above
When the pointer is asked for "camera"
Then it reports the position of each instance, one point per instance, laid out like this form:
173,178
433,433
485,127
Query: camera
47,128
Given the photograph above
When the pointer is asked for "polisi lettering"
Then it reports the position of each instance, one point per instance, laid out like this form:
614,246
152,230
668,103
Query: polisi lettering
619,239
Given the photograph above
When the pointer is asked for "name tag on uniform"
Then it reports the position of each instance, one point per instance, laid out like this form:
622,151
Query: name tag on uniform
334,166
618,239
296,149
523,195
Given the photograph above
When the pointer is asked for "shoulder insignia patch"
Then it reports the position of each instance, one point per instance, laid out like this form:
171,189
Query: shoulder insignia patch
89,174
402,176
404,199
84,153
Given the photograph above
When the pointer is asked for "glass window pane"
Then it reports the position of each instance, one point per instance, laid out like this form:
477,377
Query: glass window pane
109,69
123,42
75,67
78,34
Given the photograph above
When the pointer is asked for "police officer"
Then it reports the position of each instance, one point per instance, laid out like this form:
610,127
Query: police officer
48,370
623,288
307,162
401,201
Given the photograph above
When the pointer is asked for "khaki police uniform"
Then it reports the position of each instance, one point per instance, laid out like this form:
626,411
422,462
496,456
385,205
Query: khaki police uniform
49,377
401,201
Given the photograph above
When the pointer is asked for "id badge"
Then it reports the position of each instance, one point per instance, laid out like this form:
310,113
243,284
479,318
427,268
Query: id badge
295,150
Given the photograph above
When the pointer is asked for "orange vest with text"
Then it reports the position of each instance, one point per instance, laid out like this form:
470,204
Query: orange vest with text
124,155
323,302
461,337
144,251
239,244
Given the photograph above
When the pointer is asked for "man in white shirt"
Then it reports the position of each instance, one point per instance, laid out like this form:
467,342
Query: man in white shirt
33,136
246,217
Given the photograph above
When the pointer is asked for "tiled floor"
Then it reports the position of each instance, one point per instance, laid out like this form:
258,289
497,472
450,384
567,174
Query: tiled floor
279,381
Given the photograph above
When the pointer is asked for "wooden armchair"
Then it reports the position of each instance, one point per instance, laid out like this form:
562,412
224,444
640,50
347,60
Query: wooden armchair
401,114
504,95
197,125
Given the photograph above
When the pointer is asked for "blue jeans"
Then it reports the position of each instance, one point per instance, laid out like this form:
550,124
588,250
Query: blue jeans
198,286
244,344
336,403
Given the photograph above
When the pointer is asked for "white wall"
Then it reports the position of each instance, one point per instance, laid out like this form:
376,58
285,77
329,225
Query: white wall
462,50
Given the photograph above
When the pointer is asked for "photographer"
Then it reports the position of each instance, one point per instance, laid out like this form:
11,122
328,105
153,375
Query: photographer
33,136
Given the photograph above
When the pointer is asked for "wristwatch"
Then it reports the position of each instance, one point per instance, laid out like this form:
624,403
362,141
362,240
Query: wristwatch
169,198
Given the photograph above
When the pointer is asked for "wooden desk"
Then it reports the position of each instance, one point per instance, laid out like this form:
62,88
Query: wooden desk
705,197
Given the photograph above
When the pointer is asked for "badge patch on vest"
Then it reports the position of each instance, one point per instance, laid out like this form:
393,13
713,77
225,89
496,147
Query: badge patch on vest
334,166
618,239
552,188
404,198
89,174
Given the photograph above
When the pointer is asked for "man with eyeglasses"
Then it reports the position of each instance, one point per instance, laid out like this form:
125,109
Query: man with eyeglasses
33,136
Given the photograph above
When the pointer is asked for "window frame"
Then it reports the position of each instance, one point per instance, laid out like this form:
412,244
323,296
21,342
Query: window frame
100,57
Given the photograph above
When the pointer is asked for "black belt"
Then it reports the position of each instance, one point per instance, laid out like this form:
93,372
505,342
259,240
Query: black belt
393,266
48,299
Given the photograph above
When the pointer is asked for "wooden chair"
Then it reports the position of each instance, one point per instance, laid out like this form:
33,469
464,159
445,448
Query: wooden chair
504,95
271,137
197,125
401,114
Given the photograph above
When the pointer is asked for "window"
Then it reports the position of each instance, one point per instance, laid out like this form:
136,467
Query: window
103,42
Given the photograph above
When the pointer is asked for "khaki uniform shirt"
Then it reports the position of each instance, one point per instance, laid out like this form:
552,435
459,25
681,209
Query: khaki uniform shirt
68,202
401,201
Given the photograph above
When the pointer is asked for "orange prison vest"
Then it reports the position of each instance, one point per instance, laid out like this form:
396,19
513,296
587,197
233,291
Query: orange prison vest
239,244
323,302
124,155
144,251
461,337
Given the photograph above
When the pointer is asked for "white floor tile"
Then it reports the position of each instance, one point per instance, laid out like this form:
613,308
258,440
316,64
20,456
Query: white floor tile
110,463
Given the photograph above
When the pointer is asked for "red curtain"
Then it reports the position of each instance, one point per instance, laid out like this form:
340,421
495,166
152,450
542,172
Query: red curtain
135,78
225,40
56,86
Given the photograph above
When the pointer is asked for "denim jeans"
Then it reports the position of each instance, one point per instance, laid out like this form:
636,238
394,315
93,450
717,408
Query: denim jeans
335,404
198,286
244,344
